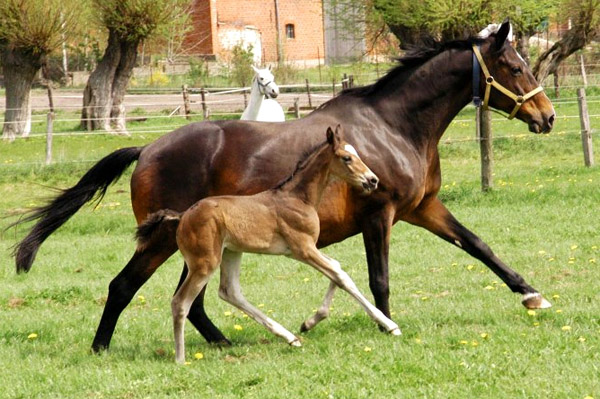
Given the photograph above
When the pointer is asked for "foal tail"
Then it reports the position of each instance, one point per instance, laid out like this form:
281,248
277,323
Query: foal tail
156,228
92,185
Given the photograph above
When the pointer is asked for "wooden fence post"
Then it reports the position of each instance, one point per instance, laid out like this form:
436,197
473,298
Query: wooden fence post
205,112
49,127
485,145
351,81
583,74
586,131
333,87
345,82
245,92
186,102
296,107
308,94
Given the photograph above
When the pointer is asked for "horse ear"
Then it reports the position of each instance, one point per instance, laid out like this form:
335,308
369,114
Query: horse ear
503,33
330,135
270,67
255,69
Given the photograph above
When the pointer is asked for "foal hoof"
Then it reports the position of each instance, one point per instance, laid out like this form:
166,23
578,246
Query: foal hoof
296,343
535,300
304,328
396,331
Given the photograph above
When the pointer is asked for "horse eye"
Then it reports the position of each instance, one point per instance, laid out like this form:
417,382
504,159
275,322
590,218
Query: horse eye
516,70
346,159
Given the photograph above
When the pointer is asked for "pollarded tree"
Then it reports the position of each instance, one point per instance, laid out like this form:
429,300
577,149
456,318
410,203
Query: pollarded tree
584,16
29,31
128,22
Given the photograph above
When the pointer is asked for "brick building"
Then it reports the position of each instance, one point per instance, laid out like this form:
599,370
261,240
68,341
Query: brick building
219,25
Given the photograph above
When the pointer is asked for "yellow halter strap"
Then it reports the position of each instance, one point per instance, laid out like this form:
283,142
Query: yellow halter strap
490,81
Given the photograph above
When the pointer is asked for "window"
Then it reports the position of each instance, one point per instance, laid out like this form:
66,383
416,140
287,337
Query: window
290,32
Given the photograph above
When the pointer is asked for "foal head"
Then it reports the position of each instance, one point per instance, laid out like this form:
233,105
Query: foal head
266,82
347,165
511,86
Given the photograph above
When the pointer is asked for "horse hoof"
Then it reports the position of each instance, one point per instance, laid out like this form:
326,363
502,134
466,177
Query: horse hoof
303,327
296,343
535,300
396,331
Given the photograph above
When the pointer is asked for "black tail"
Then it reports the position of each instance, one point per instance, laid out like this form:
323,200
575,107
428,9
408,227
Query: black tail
93,185
155,227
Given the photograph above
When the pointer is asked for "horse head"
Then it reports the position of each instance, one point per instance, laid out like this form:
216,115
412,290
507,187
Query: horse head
507,81
266,82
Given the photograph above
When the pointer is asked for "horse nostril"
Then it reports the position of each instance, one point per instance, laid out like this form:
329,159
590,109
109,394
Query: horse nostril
374,181
551,120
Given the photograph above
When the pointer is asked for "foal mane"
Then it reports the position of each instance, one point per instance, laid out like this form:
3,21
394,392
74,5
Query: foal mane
307,155
413,58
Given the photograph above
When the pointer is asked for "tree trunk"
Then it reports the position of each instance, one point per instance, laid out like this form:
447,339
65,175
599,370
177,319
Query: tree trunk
582,32
19,70
120,83
97,96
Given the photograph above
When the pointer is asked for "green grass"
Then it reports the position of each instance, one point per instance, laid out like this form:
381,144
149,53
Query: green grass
464,333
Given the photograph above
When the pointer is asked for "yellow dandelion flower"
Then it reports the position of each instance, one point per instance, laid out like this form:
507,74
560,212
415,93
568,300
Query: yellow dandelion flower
531,312
418,340
484,335
566,328
424,298
187,363
574,246
558,310
555,296
199,355
227,313
463,342
470,267
238,327
261,305
536,324
367,349
541,252
551,259
592,260
488,287
306,279
474,343
581,339
32,336
588,397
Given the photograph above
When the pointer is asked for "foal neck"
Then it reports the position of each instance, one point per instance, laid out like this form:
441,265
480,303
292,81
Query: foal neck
310,178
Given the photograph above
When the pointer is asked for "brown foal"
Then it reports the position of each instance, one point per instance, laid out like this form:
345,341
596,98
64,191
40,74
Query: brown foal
282,221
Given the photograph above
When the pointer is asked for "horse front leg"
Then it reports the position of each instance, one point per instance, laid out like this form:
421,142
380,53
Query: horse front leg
434,216
376,229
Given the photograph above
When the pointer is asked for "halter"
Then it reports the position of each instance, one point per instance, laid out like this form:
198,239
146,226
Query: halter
490,81
262,86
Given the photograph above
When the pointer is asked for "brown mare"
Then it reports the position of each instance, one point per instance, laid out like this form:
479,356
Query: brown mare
395,124
215,231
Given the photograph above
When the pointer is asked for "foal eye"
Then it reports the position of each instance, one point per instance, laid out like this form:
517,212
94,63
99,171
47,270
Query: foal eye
346,159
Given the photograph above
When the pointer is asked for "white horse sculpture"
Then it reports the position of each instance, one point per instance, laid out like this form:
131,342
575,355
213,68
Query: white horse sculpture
262,107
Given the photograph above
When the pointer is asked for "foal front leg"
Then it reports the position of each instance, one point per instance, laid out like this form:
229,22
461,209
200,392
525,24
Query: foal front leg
323,312
434,216
231,292
332,269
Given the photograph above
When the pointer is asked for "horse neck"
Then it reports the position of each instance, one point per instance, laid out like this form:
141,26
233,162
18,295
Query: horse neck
424,103
256,99
308,183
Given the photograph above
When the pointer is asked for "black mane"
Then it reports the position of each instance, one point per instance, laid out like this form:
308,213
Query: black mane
413,58
304,160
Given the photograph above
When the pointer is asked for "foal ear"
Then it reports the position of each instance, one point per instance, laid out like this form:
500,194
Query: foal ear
503,33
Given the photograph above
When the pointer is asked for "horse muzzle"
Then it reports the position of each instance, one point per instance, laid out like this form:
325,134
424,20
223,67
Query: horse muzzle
542,125
370,183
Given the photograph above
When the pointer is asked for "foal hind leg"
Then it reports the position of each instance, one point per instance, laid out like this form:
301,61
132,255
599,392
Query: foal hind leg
193,284
124,286
323,312
332,269
231,292
199,319
434,216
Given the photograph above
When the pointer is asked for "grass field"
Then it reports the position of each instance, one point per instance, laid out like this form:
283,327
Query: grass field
464,334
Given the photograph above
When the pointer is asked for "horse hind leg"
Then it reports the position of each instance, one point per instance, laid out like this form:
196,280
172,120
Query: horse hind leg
124,286
231,292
